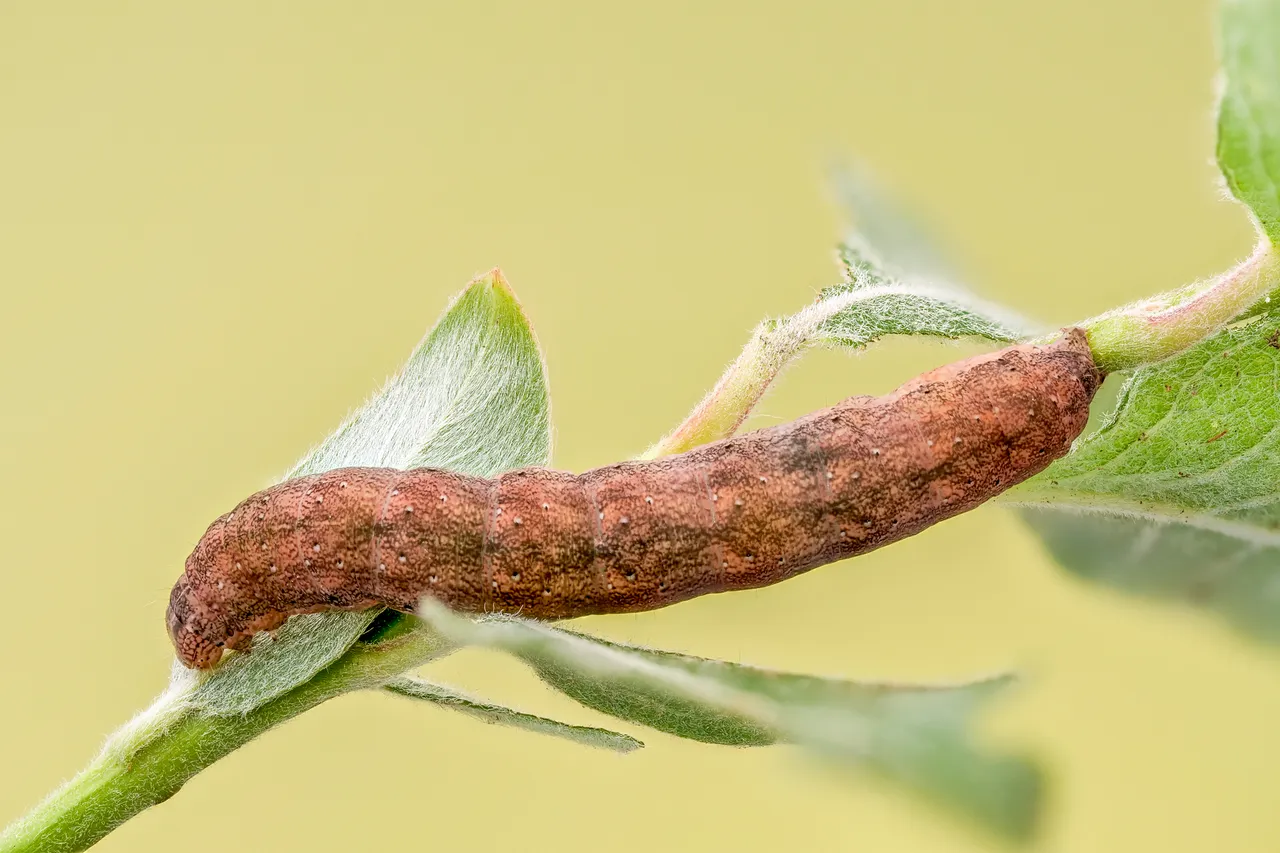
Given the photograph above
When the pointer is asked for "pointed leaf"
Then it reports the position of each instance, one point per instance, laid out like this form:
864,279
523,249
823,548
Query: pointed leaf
415,688
472,398
1177,495
913,735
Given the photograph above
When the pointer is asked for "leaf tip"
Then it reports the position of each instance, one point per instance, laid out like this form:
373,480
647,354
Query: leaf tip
494,281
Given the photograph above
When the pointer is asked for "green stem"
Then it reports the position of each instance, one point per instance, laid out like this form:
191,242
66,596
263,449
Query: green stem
740,387
149,760
1164,325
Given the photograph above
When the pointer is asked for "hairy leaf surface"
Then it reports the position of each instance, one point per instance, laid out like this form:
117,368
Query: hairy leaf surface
472,398
1177,494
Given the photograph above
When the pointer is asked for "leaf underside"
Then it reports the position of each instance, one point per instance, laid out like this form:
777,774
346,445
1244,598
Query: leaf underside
914,735
446,697
471,398
874,300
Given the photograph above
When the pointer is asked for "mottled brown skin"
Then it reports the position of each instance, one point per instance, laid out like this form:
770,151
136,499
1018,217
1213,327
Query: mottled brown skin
743,512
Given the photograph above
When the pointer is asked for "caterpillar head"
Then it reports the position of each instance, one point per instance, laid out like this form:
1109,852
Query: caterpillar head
187,629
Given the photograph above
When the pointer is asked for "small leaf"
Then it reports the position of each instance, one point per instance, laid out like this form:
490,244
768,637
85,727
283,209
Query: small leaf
879,220
911,734
1177,494
415,688
472,398
1249,109
871,303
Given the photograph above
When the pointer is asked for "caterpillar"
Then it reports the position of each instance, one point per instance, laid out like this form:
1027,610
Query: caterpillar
743,512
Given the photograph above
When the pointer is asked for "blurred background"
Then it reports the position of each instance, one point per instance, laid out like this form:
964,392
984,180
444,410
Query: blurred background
222,225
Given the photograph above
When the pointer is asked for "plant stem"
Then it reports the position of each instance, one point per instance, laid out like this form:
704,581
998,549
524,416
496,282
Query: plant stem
1164,325
149,760
739,388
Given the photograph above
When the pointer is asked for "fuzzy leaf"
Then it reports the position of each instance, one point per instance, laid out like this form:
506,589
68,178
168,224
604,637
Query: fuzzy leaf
472,398
415,688
871,302
1249,109
911,734
1177,495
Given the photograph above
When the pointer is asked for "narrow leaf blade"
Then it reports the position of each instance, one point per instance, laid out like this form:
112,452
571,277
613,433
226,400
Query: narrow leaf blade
473,398
913,735
446,697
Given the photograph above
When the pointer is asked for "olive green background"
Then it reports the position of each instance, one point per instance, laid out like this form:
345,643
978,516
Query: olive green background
221,225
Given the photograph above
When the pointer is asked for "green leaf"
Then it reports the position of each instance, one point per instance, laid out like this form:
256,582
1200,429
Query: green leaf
1249,109
472,398
415,688
1177,494
913,735
870,303
873,301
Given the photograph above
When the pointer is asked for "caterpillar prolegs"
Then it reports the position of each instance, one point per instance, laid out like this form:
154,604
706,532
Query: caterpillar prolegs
743,512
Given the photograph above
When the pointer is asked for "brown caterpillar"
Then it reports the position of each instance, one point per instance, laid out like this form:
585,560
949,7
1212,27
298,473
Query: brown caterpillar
743,512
